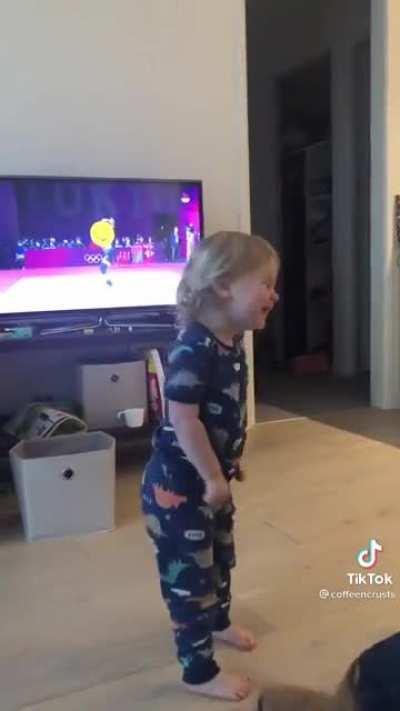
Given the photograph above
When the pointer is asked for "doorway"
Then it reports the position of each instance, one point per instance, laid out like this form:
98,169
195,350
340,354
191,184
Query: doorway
294,355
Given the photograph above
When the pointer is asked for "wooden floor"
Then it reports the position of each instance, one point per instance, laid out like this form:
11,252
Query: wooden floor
82,624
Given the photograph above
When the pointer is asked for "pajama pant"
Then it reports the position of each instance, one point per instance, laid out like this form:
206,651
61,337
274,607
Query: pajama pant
195,553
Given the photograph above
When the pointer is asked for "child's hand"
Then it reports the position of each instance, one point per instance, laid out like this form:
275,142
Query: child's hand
217,492
239,474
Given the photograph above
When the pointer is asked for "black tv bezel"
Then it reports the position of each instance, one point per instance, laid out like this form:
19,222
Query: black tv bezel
36,318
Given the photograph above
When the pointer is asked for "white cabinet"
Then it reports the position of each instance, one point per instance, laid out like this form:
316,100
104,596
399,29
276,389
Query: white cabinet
65,484
107,388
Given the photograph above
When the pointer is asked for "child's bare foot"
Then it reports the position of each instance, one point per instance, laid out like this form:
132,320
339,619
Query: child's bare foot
238,637
231,687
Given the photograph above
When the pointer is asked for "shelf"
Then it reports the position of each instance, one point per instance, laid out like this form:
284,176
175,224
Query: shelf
142,337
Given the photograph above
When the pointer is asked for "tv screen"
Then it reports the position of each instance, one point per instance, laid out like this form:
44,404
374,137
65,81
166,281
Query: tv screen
70,244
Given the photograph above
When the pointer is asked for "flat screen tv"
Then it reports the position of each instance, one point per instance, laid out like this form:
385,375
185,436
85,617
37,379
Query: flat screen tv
94,244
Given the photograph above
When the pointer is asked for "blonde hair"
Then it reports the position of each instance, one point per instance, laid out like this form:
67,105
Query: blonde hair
224,255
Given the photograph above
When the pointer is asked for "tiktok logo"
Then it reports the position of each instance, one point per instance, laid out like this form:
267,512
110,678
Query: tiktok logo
368,557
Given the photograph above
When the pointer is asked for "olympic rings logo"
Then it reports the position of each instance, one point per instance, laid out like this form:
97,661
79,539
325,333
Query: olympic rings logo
92,258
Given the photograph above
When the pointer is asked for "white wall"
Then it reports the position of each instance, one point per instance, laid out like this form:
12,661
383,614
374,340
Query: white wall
134,88
282,36
362,159
128,88
385,184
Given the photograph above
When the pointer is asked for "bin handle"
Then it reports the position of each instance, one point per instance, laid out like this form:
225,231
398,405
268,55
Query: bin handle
68,473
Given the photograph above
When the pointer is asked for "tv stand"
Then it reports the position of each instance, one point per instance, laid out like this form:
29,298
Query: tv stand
44,366
73,328
141,319
126,331
133,321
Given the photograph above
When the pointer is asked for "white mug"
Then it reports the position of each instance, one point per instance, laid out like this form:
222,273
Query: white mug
131,418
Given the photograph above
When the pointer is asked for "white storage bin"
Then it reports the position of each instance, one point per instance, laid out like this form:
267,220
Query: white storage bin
65,484
108,388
